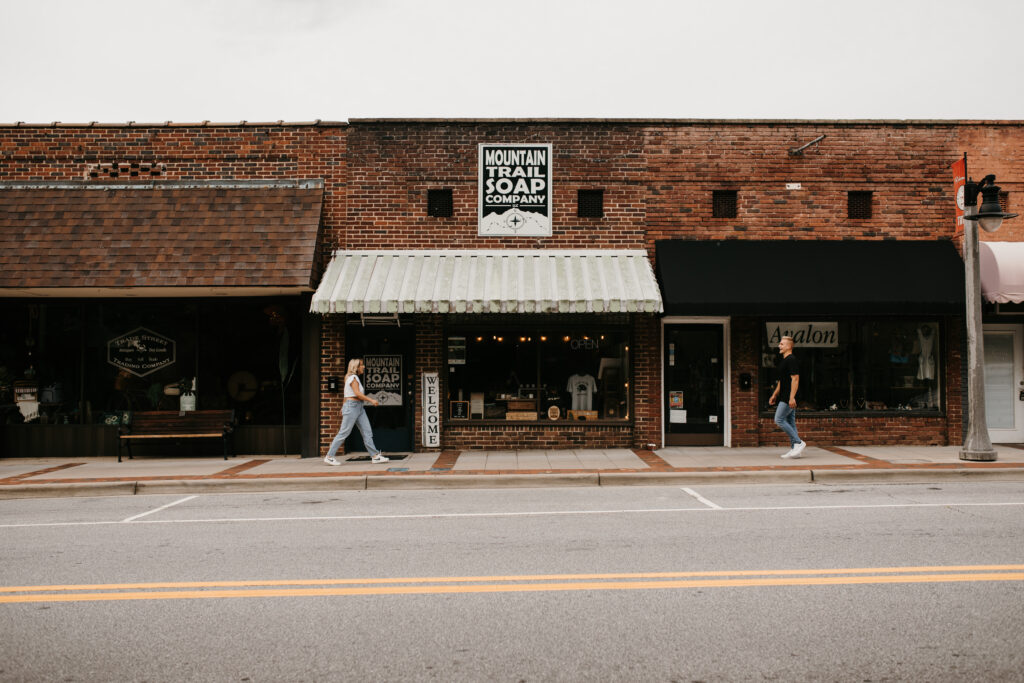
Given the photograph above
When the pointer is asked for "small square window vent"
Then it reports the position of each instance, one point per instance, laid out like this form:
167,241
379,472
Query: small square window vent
1004,202
440,203
590,204
858,205
723,203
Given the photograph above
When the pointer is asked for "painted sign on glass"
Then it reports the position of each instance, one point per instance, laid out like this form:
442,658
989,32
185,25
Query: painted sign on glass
382,379
141,351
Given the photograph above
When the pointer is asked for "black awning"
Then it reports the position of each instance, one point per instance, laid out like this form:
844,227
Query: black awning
810,277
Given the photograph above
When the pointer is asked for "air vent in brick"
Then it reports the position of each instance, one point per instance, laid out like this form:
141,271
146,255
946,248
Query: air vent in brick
440,203
1004,202
590,204
858,205
723,203
125,170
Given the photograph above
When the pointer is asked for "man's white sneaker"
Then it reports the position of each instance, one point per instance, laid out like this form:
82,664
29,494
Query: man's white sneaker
331,461
377,459
788,454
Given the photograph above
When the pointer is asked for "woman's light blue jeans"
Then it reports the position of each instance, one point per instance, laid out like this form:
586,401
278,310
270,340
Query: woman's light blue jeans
785,417
353,414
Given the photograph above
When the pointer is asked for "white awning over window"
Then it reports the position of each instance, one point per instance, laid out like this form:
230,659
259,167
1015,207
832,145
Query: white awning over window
489,281
1002,272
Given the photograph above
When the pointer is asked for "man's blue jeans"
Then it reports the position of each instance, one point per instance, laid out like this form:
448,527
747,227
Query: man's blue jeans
785,417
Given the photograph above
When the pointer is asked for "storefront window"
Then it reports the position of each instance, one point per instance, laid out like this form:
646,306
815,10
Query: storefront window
538,373
88,363
859,365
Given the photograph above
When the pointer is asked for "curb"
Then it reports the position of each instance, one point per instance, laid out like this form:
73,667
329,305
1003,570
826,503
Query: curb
98,488
252,485
897,476
480,481
676,478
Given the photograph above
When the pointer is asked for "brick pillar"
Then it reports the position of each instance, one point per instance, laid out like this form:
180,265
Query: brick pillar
429,358
745,358
647,390
332,362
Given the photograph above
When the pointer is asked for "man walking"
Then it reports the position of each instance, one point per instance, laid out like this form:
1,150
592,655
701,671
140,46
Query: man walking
785,394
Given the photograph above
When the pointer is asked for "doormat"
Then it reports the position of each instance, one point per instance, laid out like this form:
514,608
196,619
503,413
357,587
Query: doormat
366,458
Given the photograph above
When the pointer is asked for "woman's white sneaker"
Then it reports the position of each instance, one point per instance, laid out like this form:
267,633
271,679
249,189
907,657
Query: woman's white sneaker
331,461
796,452
377,459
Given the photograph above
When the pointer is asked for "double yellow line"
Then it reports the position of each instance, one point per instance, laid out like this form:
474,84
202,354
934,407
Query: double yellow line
508,584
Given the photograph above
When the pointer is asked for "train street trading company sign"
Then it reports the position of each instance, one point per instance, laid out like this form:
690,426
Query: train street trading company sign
515,190
141,351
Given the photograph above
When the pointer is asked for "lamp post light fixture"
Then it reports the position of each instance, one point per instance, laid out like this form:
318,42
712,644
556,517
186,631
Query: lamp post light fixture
977,445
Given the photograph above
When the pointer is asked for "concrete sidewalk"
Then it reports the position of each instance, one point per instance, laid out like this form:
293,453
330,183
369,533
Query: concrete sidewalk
53,477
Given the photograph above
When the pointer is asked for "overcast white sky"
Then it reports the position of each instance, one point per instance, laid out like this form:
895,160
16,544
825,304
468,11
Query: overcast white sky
300,60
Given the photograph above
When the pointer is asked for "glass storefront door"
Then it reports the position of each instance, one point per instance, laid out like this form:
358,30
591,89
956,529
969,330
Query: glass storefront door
694,401
387,352
1004,383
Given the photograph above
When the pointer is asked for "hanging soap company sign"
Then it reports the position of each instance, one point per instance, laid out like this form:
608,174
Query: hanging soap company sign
141,352
818,335
431,410
515,190
382,379
959,183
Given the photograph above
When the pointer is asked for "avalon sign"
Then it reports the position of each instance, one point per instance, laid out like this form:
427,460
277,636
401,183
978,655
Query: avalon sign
515,190
819,335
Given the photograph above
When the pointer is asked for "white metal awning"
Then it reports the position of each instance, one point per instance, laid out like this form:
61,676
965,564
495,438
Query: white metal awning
1002,271
489,281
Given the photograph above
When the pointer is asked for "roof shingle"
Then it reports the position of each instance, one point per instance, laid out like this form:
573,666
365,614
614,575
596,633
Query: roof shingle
159,235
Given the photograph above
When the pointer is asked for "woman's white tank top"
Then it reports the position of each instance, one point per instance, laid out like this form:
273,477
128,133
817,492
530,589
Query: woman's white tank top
349,386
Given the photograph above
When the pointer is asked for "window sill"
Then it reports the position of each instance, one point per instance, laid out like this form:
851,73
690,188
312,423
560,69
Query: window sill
861,413
535,423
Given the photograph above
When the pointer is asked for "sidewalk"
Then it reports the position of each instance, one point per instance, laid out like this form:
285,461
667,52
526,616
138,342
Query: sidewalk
56,477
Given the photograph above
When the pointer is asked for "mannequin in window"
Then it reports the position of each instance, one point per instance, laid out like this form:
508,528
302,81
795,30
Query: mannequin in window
925,359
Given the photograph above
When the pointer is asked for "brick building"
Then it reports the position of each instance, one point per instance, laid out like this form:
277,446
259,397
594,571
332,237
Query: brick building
513,284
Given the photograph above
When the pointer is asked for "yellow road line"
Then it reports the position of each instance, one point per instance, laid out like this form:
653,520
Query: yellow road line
523,577
516,587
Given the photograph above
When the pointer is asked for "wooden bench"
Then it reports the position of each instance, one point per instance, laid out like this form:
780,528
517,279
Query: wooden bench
170,424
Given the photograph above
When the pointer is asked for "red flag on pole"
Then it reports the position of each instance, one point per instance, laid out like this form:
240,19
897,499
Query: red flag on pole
959,180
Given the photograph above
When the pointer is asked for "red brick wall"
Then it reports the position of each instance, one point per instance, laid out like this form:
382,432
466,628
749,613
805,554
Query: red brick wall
392,166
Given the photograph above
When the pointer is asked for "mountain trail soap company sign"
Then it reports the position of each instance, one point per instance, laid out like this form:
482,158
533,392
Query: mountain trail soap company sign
515,190
383,379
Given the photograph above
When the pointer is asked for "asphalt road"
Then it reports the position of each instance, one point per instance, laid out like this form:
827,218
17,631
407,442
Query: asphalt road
711,583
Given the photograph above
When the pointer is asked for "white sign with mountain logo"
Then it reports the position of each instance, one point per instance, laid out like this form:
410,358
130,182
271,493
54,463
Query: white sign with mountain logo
515,190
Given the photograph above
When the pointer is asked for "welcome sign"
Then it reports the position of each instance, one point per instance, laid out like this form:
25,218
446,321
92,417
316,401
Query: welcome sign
515,190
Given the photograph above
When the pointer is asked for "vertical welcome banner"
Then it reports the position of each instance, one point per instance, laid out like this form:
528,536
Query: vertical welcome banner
431,410
959,180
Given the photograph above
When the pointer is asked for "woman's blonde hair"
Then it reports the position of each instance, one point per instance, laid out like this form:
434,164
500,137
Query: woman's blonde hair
353,367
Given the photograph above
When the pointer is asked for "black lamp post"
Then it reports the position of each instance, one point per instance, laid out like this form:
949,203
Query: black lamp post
977,445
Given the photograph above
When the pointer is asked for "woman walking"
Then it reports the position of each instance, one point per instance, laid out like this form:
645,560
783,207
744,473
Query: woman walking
353,414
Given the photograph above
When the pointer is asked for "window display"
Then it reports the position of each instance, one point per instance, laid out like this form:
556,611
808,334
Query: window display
861,365
539,372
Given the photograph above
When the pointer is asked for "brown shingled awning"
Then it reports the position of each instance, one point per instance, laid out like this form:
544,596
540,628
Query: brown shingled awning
158,238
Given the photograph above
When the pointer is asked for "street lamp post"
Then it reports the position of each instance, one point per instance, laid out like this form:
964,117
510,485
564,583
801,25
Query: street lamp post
977,445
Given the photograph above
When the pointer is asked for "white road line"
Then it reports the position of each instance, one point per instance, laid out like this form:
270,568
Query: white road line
541,513
702,499
162,507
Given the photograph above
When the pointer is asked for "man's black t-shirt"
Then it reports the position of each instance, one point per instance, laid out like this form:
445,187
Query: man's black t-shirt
786,369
